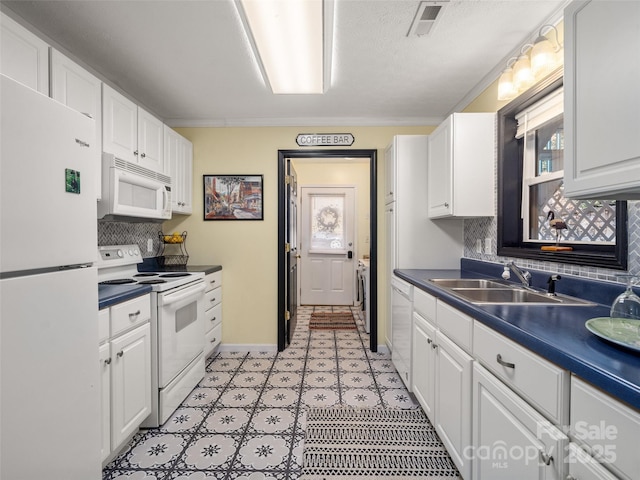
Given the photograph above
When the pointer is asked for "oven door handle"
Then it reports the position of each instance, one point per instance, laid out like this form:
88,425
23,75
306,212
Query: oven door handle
183,294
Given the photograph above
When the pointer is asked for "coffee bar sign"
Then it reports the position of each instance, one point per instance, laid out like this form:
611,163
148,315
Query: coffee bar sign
325,139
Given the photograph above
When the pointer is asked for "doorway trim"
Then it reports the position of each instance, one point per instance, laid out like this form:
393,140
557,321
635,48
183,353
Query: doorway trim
373,234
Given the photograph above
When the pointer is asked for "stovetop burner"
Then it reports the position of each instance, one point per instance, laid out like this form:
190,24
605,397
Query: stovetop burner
147,274
151,281
175,275
117,281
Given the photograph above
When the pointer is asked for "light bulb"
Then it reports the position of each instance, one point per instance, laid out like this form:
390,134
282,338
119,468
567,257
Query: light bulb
506,90
543,57
522,75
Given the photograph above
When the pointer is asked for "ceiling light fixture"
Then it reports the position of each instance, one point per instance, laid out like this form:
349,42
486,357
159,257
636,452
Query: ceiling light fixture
292,42
534,62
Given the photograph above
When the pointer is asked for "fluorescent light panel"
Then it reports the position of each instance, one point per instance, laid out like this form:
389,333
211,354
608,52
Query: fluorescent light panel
288,36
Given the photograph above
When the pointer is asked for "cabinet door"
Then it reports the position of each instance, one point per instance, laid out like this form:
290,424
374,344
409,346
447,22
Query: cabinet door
73,86
390,225
390,173
23,56
439,171
511,440
131,382
583,466
187,177
173,161
602,111
104,353
424,364
401,328
453,401
150,142
119,125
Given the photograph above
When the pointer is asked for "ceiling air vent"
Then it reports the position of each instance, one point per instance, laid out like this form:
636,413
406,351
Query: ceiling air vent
426,17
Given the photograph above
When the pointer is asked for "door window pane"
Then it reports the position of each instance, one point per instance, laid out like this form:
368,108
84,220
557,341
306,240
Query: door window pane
327,222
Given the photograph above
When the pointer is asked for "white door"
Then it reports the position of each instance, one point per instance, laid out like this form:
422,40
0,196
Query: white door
327,263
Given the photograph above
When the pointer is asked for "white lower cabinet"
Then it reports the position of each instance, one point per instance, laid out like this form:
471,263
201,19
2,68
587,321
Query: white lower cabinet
510,439
453,401
424,360
125,368
213,311
130,382
441,380
607,428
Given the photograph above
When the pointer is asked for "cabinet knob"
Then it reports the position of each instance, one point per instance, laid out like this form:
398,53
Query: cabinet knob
120,353
213,319
446,204
434,345
429,341
107,361
214,340
503,363
143,155
135,153
546,458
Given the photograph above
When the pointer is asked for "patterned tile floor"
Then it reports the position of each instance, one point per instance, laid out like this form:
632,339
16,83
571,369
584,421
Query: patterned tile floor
246,419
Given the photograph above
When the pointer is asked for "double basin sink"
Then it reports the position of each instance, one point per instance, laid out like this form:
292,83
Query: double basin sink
496,292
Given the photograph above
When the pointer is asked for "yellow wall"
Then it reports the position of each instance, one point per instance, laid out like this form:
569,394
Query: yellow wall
247,250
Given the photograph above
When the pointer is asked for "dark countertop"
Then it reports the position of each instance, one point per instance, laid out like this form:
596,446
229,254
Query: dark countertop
556,333
150,264
109,295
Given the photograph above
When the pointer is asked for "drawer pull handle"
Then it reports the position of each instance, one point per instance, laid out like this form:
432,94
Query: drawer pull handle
120,353
434,345
134,315
546,458
429,341
505,364
107,361
212,282
213,300
214,340
213,319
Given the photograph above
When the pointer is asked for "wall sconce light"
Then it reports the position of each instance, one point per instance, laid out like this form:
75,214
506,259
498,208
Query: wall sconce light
544,54
534,62
506,88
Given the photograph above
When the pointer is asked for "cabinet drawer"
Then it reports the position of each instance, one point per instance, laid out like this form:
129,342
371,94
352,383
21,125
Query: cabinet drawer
129,314
103,325
424,304
213,317
212,339
456,325
607,427
213,280
541,383
212,298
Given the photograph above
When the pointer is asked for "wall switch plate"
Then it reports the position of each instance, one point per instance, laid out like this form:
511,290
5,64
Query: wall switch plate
487,245
479,245
149,245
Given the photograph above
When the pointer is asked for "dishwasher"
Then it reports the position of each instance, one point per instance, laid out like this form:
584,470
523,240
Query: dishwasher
401,306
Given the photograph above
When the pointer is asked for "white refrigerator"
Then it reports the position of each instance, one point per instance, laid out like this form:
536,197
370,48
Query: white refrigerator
49,367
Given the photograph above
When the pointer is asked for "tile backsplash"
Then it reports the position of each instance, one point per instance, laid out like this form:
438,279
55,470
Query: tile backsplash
487,227
127,233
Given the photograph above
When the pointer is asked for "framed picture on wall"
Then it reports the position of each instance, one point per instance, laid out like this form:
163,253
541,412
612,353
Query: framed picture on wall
233,197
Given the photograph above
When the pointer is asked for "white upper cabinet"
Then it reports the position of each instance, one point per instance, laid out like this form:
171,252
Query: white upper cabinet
179,159
461,173
23,56
75,87
602,100
131,133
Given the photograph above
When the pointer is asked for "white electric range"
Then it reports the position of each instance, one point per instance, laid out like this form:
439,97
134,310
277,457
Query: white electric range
177,325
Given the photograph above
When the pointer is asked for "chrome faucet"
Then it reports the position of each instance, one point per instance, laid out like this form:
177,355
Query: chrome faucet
523,275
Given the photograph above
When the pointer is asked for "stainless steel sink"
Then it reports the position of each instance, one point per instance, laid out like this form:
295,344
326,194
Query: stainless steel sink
495,292
468,283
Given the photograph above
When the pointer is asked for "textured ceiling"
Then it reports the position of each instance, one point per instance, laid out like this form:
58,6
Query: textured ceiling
189,62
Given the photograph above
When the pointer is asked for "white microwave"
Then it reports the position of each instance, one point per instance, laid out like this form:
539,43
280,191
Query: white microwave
130,190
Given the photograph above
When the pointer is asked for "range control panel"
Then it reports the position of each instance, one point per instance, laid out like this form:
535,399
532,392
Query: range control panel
114,255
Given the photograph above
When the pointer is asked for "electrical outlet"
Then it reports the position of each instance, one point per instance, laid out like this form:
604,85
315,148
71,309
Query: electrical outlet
487,245
479,245
149,245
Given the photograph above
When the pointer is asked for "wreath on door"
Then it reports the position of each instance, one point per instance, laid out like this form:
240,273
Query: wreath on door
327,219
